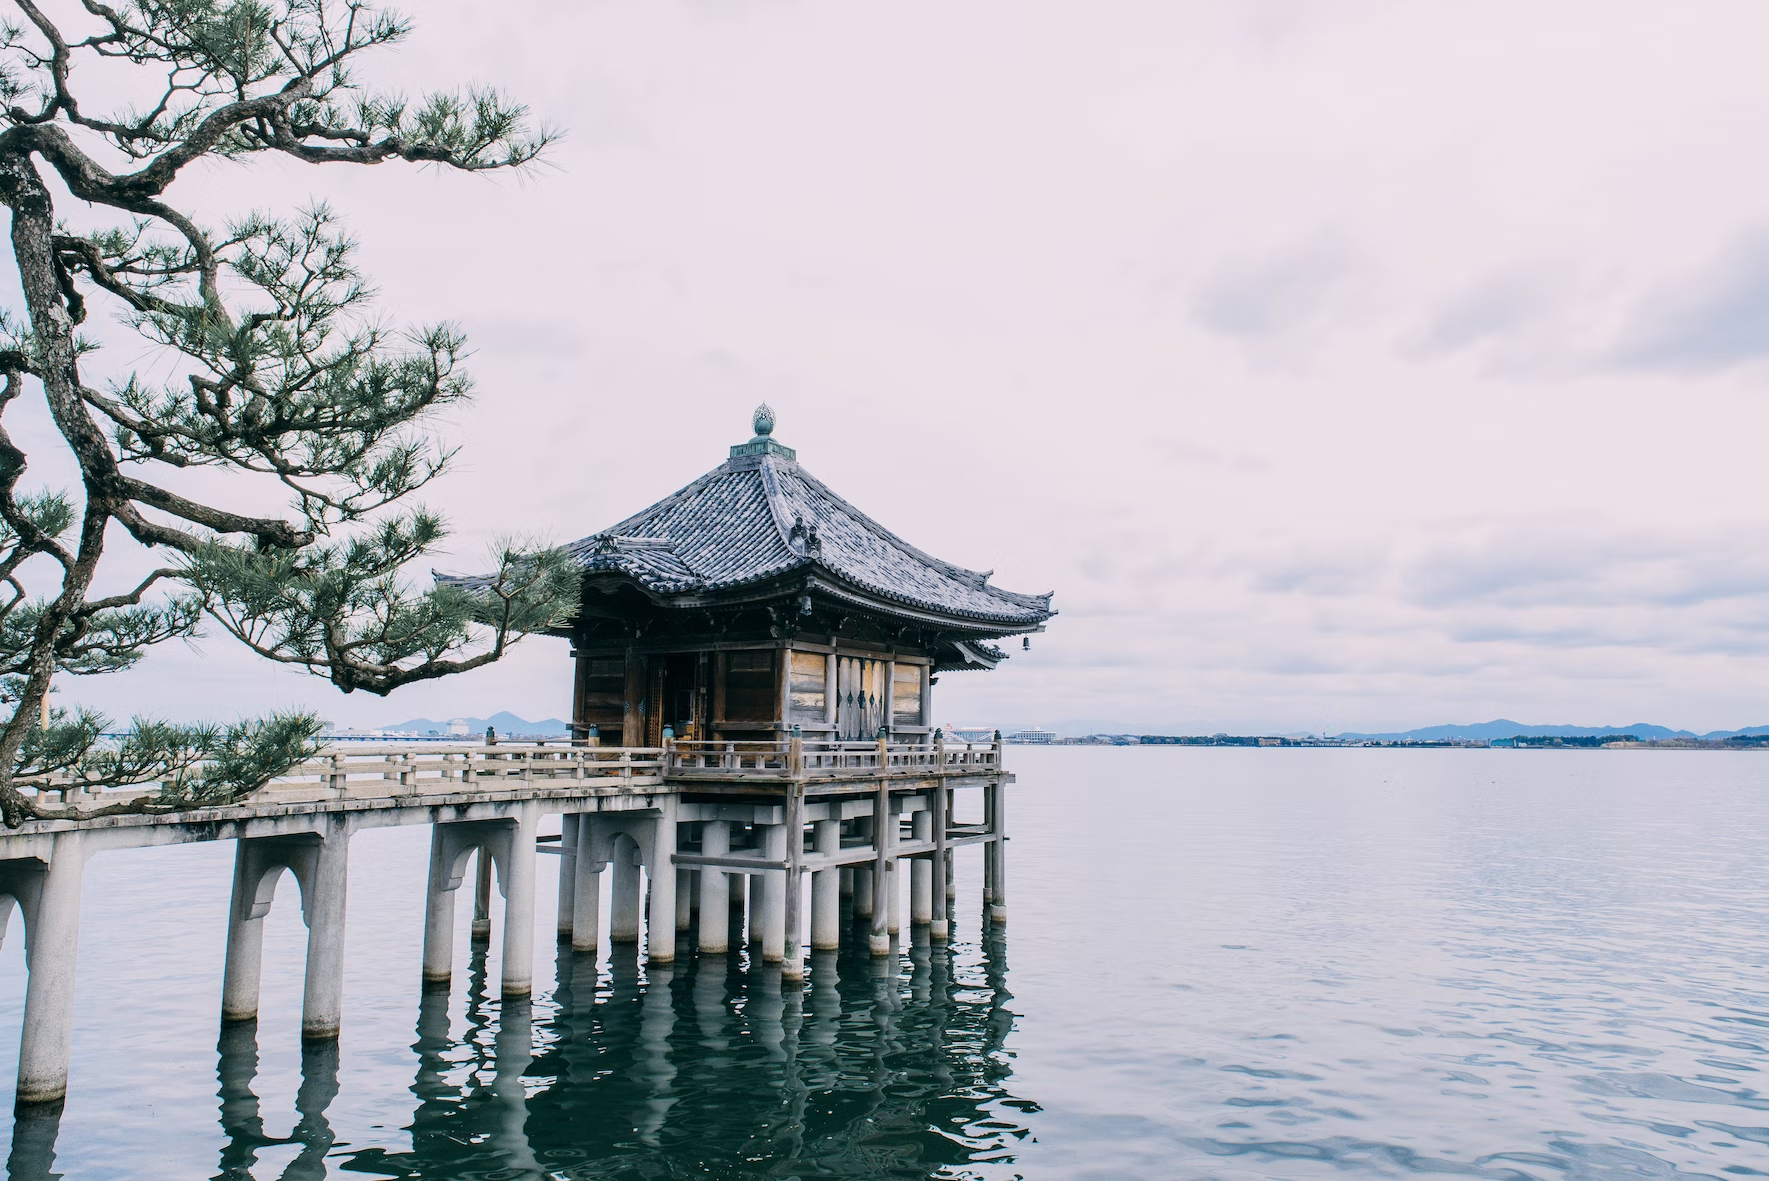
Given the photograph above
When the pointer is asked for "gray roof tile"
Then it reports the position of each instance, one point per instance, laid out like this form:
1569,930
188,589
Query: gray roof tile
759,516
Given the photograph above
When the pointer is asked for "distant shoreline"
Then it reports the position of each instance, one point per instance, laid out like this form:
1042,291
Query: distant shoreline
1521,742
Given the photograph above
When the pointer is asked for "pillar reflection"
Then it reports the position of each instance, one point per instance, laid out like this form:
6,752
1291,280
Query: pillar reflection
241,1111
34,1132
877,1066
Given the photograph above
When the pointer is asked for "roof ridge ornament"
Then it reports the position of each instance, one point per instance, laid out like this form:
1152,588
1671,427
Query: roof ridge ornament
763,443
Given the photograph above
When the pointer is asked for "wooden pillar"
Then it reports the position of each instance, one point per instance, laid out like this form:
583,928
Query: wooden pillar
633,702
830,692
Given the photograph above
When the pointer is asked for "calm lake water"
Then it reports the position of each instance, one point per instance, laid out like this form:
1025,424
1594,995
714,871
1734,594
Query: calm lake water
1219,963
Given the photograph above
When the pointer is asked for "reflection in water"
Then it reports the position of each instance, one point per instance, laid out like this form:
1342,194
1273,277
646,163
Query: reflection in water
709,1068
243,1123
34,1130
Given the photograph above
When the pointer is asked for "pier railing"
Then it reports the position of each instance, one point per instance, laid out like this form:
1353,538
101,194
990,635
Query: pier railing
379,772
407,769
713,758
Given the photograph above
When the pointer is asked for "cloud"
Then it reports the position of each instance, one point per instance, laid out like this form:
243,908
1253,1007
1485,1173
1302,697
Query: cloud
1497,307
1278,294
1714,320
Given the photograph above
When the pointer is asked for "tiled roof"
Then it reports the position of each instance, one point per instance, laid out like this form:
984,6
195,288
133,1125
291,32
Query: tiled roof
762,515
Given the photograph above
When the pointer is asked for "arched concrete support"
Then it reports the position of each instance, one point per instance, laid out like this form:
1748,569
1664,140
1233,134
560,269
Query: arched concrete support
715,895
586,906
508,846
451,845
48,895
257,867
319,862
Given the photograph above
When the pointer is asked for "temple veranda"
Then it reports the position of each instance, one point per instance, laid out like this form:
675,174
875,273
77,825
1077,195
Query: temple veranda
687,831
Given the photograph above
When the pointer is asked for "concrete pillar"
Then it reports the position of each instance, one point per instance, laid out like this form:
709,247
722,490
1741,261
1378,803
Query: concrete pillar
586,905
52,942
660,943
894,896
773,882
439,913
998,901
825,889
685,894
921,873
862,891
939,868
988,851
482,898
623,918
253,885
883,820
567,875
715,895
516,877
322,897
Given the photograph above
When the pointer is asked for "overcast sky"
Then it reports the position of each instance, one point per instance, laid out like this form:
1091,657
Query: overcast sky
1346,367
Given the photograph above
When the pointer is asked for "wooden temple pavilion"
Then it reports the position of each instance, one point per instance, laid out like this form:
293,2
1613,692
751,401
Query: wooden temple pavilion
765,653
756,603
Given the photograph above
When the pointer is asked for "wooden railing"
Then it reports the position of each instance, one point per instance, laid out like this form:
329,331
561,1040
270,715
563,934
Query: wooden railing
375,772
835,759
407,769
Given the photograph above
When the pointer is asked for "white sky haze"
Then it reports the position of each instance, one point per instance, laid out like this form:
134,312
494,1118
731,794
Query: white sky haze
1347,367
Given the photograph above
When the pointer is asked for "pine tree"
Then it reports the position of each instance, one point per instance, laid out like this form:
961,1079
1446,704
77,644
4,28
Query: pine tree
284,375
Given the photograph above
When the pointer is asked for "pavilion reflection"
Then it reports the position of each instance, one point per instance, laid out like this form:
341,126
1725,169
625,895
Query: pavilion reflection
877,1068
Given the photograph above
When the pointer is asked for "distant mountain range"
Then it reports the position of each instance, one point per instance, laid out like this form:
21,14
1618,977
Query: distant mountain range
1504,728
504,722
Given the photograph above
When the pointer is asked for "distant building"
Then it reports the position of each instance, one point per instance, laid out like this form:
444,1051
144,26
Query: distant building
458,728
971,733
1032,737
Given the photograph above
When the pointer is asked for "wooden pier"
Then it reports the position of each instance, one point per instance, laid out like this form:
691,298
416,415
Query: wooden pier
687,827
